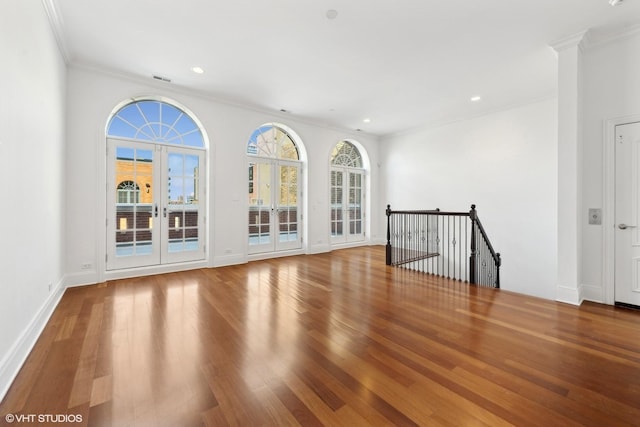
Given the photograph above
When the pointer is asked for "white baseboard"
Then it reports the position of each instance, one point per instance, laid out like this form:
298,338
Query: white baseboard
569,295
318,249
11,364
225,260
81,279
592,293
128,273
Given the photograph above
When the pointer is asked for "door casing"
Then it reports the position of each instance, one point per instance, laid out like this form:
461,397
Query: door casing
606,294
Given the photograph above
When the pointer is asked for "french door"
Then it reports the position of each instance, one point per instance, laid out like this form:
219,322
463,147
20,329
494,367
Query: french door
347,207
155,204
274,205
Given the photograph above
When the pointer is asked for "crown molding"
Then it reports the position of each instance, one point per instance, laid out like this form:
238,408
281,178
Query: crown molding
176,88
55,21
580,40
603,39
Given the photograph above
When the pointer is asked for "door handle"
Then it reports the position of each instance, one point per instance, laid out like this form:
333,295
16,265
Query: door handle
155,211
625,226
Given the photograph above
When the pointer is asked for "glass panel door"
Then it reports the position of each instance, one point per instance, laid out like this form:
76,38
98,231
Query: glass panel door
155,204
260,207
133,239
183,206
347,207
355,207
337,206
274,213
288,212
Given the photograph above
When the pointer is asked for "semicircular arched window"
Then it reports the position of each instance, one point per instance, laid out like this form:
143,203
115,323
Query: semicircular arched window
155,121
346,154
272,141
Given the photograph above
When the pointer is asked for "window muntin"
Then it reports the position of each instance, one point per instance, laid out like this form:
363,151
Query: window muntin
271,141
155,121
346,154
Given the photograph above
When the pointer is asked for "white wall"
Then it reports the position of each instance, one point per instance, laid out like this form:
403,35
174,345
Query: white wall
505,163
92,95
611,78
32,109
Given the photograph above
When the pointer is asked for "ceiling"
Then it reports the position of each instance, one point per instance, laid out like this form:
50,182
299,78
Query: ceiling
400,63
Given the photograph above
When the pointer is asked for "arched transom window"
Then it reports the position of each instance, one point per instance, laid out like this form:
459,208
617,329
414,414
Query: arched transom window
155,121
346,154
272,141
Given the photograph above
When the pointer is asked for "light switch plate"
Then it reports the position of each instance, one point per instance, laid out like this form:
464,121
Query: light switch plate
595,216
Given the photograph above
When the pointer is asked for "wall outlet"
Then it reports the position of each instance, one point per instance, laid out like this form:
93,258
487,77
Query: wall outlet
228,251
86,266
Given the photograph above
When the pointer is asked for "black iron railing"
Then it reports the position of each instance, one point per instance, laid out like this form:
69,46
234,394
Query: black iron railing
449,244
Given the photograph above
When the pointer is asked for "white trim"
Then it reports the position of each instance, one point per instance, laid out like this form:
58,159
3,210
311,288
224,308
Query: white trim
592,293
126,273
17,355
226,260
83,278
569,295
579,39
618,35
57,27
277,254
318,249
608,212
184,90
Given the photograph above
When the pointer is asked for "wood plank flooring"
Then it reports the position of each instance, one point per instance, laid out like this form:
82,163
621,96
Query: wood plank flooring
331,339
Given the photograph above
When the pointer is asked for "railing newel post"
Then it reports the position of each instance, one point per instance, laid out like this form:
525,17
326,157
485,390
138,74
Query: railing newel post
473,215
388,248
498,264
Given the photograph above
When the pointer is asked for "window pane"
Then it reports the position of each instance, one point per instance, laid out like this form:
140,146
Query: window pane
155,121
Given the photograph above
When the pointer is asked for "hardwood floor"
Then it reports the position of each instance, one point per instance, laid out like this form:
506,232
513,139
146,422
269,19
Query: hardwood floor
331,339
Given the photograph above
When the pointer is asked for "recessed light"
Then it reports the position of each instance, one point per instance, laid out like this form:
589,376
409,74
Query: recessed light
367,120
475,98
332,14
197,70
615,2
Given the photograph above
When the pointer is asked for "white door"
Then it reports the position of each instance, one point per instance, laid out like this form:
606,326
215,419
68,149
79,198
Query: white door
627,215
347,207
155,204
274,208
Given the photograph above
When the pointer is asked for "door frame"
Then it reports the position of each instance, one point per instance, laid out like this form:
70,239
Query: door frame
100,273
608,213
